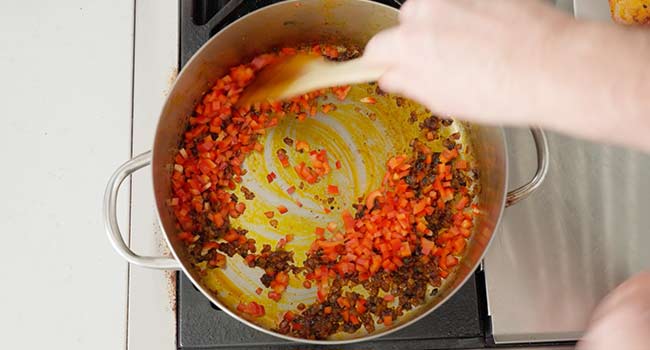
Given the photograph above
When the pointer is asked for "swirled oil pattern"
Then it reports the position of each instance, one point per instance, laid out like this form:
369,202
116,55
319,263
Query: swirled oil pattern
362,137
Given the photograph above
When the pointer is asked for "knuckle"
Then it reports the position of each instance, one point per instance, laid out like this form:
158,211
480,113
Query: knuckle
423,10
412,8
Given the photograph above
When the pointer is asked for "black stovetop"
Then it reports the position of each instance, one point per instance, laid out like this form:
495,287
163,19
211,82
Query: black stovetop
455,325
458,324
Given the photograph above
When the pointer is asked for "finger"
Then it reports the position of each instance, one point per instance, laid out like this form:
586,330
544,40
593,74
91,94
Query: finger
384,47
632,289
393,81
427,11
408,11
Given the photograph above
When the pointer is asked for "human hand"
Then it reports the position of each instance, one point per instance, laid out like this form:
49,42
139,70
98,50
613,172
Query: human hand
622,320
479,60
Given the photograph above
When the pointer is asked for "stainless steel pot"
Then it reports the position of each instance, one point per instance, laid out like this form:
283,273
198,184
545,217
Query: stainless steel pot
290,23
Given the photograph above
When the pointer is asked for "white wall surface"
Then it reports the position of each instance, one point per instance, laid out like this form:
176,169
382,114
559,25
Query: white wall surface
65,109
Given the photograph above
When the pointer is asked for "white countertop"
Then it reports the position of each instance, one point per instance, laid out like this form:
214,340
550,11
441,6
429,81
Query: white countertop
70,77
66,123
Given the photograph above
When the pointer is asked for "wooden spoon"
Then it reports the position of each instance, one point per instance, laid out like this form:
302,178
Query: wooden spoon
303,73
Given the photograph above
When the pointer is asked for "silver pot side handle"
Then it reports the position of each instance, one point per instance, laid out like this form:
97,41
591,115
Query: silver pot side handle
541,144
110,218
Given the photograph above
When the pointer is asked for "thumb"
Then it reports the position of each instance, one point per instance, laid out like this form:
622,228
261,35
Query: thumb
393,81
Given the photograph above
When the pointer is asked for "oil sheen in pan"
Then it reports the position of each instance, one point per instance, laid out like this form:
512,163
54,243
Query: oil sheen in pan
362,137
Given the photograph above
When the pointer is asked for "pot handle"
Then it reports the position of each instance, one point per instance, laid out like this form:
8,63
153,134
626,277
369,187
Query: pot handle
110,218
541,144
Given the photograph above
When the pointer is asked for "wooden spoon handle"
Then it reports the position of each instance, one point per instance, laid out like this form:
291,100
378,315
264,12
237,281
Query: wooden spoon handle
302,73
352,72
327,74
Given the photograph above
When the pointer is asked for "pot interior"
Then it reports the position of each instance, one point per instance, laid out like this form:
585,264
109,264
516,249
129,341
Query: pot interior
361,136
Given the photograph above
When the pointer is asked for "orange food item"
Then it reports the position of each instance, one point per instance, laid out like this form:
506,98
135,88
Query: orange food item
343,302
388,320
274,296
302,146
370,199
306,173
187,237
282,156
327,107
282,242
342,91
207,246
219,260
252,309
346,315
630,11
